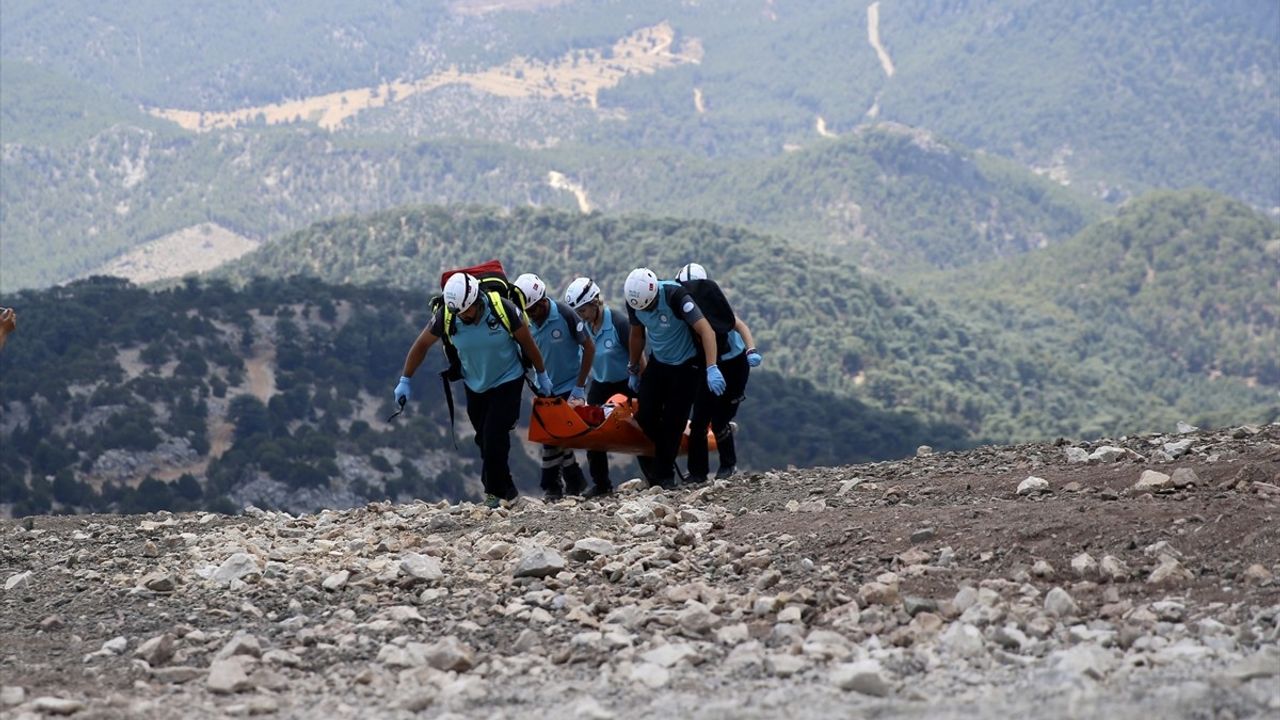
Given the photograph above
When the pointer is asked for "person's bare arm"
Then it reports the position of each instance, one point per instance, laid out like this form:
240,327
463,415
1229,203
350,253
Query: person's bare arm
636,345
588,357
708,338
744,331
525,338
418,352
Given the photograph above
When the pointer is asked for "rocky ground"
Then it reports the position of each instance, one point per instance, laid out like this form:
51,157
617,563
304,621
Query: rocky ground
1128,578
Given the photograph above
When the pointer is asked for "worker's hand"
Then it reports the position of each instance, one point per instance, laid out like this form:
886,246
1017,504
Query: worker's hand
543,381
633,379
754,358
715,380
402,391
578,396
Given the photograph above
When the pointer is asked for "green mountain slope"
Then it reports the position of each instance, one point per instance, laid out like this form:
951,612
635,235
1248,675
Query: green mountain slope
207,397
1118,97
42,108
1168,94
891,198
1193,275
221,54
815,317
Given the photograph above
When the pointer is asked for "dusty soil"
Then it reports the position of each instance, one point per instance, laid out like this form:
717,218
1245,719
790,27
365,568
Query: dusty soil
827,533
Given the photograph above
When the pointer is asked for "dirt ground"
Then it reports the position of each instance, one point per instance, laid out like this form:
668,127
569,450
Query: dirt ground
828,529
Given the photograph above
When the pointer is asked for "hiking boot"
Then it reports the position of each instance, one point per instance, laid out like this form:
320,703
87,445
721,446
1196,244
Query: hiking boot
553,495
695,480
668,483
491,501
596,491
726,472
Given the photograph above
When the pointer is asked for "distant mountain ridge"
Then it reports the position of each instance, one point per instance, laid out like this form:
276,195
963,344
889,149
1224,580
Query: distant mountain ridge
893,198
1195,273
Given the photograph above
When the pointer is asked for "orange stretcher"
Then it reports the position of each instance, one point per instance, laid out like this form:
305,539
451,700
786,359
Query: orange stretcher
612,427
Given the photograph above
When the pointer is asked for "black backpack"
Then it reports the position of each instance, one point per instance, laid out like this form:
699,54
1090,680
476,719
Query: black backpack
715,308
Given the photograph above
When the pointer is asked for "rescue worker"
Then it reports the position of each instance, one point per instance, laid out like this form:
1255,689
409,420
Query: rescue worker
611,334
568,351
682,346
492,371
736,360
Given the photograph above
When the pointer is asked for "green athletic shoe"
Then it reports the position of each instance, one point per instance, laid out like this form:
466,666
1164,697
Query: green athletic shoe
492,501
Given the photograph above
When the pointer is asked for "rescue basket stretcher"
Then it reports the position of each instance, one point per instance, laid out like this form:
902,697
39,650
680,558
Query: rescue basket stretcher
611,427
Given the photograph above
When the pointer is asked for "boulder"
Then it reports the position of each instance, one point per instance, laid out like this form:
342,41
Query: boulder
539,562
226,677
1155,481
237,567
449,653
1033,486
864,676
420,568
1058,603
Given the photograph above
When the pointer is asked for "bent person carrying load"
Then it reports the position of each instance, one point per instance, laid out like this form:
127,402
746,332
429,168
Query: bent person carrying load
666,320
568,352
488,333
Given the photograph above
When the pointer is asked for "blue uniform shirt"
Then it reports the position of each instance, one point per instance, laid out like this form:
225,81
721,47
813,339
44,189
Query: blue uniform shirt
559,339
489,355
668,324
612,342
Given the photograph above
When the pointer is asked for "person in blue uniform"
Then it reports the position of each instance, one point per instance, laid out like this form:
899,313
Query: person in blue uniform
611,334
666,321
492,371
568,351
736,359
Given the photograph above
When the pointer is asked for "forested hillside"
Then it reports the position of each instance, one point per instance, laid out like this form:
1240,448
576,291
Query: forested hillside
1117,98
816,318
204,396
1192,275
892,198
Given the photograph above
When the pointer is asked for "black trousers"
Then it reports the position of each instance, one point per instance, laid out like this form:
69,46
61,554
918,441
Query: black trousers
666,396
493,414
598,460
717,411
558,462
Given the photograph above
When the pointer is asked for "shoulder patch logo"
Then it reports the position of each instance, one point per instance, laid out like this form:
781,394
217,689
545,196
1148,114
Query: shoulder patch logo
688,306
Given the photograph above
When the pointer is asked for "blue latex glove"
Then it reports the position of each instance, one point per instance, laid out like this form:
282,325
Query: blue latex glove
578,393
753,358
633,382
402,390
715,380
543,381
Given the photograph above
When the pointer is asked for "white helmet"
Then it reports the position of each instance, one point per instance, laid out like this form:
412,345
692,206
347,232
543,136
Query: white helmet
641,288
460,292
692,271
581,291
532,287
